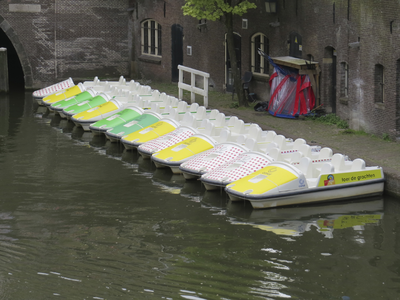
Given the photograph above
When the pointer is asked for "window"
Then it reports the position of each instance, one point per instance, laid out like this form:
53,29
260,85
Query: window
259,65
344,79
379,83
151,38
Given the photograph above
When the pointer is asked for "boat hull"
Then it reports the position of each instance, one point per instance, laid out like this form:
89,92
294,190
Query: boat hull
341,193
282,184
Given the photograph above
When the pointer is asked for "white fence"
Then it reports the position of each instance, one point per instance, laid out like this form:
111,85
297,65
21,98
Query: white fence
192,88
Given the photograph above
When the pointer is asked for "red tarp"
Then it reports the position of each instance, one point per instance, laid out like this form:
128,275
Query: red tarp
291,95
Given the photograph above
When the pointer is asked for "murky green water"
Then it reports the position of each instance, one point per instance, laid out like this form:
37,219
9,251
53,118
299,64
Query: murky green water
83,219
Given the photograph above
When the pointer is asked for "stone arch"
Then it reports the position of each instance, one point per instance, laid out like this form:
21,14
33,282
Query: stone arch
19,48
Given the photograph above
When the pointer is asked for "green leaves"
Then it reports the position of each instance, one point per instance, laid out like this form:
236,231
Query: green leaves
214,9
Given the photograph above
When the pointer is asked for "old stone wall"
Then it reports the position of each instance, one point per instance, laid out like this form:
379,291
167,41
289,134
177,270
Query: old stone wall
58,39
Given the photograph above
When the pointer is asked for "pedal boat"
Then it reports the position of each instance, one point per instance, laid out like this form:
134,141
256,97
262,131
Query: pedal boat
191,120
84,105
60,105
226,152
124,116
246,163
63,94
88,117
172,119
185,130
281,184
147,118
179,153
38,95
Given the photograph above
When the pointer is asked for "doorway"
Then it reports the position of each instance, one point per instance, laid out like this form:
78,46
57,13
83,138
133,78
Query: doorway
237,39
176,50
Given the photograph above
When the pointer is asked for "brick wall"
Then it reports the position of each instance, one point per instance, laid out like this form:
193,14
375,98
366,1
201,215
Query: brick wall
58,39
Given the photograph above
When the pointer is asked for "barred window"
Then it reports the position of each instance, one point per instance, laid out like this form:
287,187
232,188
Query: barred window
151,38
259,64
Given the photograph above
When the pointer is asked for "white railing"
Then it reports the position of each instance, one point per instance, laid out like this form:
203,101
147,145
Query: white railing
192,88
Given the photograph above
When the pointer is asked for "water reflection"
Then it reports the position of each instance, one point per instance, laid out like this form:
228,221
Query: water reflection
326,218
84,218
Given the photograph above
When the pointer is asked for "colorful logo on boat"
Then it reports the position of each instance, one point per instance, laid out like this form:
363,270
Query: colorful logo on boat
330,180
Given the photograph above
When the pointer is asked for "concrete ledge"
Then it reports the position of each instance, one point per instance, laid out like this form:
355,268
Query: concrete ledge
25,8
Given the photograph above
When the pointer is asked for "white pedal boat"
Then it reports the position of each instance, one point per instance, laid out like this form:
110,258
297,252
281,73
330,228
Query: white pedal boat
226,152
280,149
181,152
281,184
38,95
72,110
183,114
170,130
162,105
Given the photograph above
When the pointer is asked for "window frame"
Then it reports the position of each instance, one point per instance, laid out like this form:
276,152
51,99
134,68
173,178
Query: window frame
262,65
150,38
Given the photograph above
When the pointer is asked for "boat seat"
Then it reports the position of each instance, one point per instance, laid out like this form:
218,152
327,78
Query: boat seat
295,145
358,164
280,140
325,153
296,157
231,121
201,113
254,132
213,114
238,127
327,168
188,119
338,162
145,90
275,154
220,120
305,166
240,139
182,106
224,135
268,136
251,144
193,107
173,101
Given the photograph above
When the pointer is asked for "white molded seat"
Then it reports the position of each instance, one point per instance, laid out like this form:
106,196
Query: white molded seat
188,119
338,162
325,153
358,164
201,113
231,121
305,166
280,140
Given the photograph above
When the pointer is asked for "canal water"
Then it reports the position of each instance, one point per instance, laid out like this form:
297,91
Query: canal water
81,218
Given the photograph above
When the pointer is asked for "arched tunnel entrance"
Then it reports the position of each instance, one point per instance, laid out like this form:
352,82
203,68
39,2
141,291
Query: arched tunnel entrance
15,72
